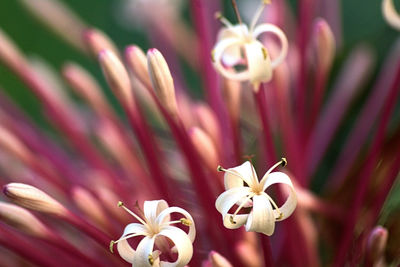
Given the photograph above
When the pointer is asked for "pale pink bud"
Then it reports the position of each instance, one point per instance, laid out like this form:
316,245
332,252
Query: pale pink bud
325,44
22,220
117,77
162,80
209,123
249,256
59,18
376,245
205,147
217,260
232,90
89,205
98,41
137,62
9,53
33,198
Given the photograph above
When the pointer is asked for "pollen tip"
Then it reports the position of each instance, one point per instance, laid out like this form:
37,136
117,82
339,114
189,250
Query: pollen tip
151,259
213,55
284,162
112,242
120,203
232,220
186,222
218,15
219,168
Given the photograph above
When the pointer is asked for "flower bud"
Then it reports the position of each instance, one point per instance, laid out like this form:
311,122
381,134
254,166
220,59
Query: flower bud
376,245
247,254
9,53
205,146
325,44
217,260
117,77
97,41
161,80
22,220
137,62
33,198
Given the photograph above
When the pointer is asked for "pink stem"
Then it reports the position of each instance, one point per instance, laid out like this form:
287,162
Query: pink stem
365,176
267,252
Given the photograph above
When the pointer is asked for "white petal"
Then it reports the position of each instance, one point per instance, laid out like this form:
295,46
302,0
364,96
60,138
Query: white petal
232,56
290,204
391,15
240,220
266,27
227,199
153,208
124,249
143,250
166,214
258,62
182,244
218,53
261,218
244,172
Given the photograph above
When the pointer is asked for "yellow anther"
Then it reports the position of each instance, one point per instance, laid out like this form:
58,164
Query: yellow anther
220,168
284,162
280,216
112,246
265,53
232,220
218,15
186,222
151,259
266,2
213,56
120,203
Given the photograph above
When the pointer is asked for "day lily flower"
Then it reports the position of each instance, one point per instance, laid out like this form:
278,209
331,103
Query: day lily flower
156,227
245,190
239,45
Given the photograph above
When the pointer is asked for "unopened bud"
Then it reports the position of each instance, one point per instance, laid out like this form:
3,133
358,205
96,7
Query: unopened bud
162,81
59,18
10,143
137,62
376,245
248,255
22,220
209,123
205,146
89,205
33,198
217,260
97,41
325,44
117,77
9,53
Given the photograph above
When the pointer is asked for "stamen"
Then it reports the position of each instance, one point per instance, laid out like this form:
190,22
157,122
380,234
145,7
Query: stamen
186,222
235,7
223,20
221,169
121,204
265,53
258,14
239,208
213,56
112,242
276,207
282,162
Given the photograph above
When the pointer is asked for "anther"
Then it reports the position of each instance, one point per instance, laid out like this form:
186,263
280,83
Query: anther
151,259
280,216
112,246
265,53
220,168
213,56
120,204
232,220
218,15
284,162
266,2
186,222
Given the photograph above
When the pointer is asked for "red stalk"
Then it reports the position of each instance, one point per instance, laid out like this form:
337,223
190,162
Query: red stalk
365,176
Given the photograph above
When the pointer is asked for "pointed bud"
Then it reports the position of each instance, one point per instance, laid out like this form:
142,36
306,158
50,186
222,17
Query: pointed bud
376,245
209,123
9,53
217,260
249,256
60,19
33,198
10,143
22,220
161,80
89,205
325,44
97,41
137,62
117,77
84,85
205,146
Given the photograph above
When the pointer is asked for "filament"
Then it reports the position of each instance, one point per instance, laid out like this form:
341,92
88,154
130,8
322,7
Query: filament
232,218
121,204
258,14
282,162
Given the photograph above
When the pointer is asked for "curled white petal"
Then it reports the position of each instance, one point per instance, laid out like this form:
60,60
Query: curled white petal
166,214
239,220
290,204
258,62
261,218
124,249
391,15
181,242
234,177
232,56
265,28
218,53
143,250
153,208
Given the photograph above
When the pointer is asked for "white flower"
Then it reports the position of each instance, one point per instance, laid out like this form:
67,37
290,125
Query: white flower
156,228
391,15
245,191
238,45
